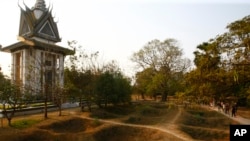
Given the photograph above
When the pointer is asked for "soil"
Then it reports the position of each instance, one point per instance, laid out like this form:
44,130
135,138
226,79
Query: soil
165,125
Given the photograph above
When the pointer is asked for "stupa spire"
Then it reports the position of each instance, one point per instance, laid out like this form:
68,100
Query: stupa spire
40,4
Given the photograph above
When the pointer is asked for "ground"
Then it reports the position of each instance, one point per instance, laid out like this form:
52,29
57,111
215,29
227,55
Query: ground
141,122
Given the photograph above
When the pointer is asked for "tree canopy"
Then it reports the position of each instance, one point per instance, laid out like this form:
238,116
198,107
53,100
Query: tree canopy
223,64
94,82
162,66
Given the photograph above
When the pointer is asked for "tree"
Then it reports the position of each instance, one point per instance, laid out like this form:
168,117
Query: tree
143,81
2,78
207,61
165,59
60,96
10,96
80,85
112,87
80,74
91,81
236,45
222,64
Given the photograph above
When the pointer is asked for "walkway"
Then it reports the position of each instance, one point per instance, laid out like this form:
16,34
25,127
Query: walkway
238,118
170,129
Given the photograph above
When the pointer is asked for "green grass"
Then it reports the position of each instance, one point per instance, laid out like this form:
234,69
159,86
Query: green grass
25,123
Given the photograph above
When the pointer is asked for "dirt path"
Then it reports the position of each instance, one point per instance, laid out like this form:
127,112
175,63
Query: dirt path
239,119
173,126
184,138
170,127
165,129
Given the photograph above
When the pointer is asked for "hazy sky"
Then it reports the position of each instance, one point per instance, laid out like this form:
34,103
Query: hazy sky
117,28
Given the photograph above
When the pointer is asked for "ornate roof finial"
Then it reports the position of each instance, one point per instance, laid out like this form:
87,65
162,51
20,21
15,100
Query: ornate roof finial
40,4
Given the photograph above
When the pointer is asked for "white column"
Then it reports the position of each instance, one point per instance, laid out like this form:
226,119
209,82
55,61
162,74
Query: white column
42,69
37,69
13,66
61,70
23,66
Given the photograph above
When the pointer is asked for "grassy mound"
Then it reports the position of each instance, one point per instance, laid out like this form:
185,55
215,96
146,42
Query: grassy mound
55,129
36,135
122,133
205,134
72,125
207,119
121,110
112,112
102,114
203,124
152,113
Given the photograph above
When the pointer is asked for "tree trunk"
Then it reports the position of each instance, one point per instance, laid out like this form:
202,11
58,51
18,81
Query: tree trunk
9,121
105,100
155,97
60,108
142,96
8,116
164,97
99,103
46,106
89,105
81,104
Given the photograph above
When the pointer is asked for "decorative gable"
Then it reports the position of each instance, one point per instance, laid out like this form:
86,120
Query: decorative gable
38,22
47,30
25,29
26,20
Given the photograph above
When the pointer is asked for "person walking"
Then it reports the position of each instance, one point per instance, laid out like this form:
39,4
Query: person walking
234,110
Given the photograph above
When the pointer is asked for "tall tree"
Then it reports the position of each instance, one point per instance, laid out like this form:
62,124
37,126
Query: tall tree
143,82
165,59
222,64
236,45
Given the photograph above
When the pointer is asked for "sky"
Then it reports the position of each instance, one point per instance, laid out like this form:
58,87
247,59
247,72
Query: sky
118,28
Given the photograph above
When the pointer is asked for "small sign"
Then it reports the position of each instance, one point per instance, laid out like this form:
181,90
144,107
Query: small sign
239,132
